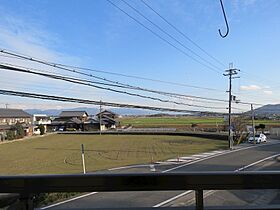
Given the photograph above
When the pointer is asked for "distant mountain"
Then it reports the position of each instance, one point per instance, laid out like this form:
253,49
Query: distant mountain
270,109
90,111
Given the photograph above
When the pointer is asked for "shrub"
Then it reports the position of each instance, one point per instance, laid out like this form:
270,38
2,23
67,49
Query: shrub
19,130
10,135
42,129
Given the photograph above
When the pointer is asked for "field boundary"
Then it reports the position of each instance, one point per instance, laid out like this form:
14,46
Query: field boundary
207,135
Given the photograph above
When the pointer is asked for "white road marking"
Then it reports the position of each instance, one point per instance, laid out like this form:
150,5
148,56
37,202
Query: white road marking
212,191
172,199
127,167
199,155
190,158
218,151
176,160
72,199
255,163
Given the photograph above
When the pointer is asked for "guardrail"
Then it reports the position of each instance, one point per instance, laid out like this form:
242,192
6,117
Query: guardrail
27,186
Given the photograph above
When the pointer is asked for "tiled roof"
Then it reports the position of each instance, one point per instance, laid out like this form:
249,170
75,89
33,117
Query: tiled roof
16,113
60,121
72,114
106,112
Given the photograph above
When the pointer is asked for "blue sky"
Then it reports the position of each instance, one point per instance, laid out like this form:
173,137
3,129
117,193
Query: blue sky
95,34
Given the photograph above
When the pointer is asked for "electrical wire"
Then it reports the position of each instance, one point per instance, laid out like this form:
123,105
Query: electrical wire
76,81
169,35
163,39
118,84
60,66
57,65
183,34
93,102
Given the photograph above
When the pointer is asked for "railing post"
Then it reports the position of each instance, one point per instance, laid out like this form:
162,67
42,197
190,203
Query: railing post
26,202
199,199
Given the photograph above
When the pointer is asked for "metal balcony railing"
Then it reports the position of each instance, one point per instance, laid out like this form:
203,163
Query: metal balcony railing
27,186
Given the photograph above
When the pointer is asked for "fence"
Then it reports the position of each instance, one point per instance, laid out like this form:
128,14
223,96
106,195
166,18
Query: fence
27,186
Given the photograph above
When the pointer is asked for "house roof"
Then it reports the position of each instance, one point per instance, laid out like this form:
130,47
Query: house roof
95,120
73,114
107,112
14,113
60,121
108,119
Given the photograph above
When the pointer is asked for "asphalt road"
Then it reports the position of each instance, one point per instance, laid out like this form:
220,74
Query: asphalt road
225,162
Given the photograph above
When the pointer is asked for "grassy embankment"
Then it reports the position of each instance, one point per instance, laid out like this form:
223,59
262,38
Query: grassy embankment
61,154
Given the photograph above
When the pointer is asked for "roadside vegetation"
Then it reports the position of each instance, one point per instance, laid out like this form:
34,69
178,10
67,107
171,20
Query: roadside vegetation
61,154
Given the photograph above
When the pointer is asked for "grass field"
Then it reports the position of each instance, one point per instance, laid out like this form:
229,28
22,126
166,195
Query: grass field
60,154
144,122
168,121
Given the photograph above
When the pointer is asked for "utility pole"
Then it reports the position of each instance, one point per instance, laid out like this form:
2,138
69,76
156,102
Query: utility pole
253,122
6,105
100,119
230,73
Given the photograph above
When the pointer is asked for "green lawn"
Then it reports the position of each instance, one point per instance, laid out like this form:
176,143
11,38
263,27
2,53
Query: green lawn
60,154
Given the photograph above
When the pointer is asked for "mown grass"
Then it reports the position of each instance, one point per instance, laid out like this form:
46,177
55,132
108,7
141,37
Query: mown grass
61,154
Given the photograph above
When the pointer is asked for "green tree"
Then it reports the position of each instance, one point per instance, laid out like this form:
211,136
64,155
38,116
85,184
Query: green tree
10,135
42,129
18,130
260,126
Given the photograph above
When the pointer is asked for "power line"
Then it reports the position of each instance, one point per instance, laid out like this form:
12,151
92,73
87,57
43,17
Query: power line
119,84
168,34
112,73
183,34
168,94
81,82
163,39
73,70
93,102
65,68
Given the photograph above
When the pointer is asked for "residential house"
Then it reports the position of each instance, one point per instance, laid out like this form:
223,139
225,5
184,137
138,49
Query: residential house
108,114
92,124
80,120
10,117
40,119
81,115
108,119
69,120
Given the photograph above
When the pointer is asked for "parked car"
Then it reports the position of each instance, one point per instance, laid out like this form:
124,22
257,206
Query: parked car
258,138
71,129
